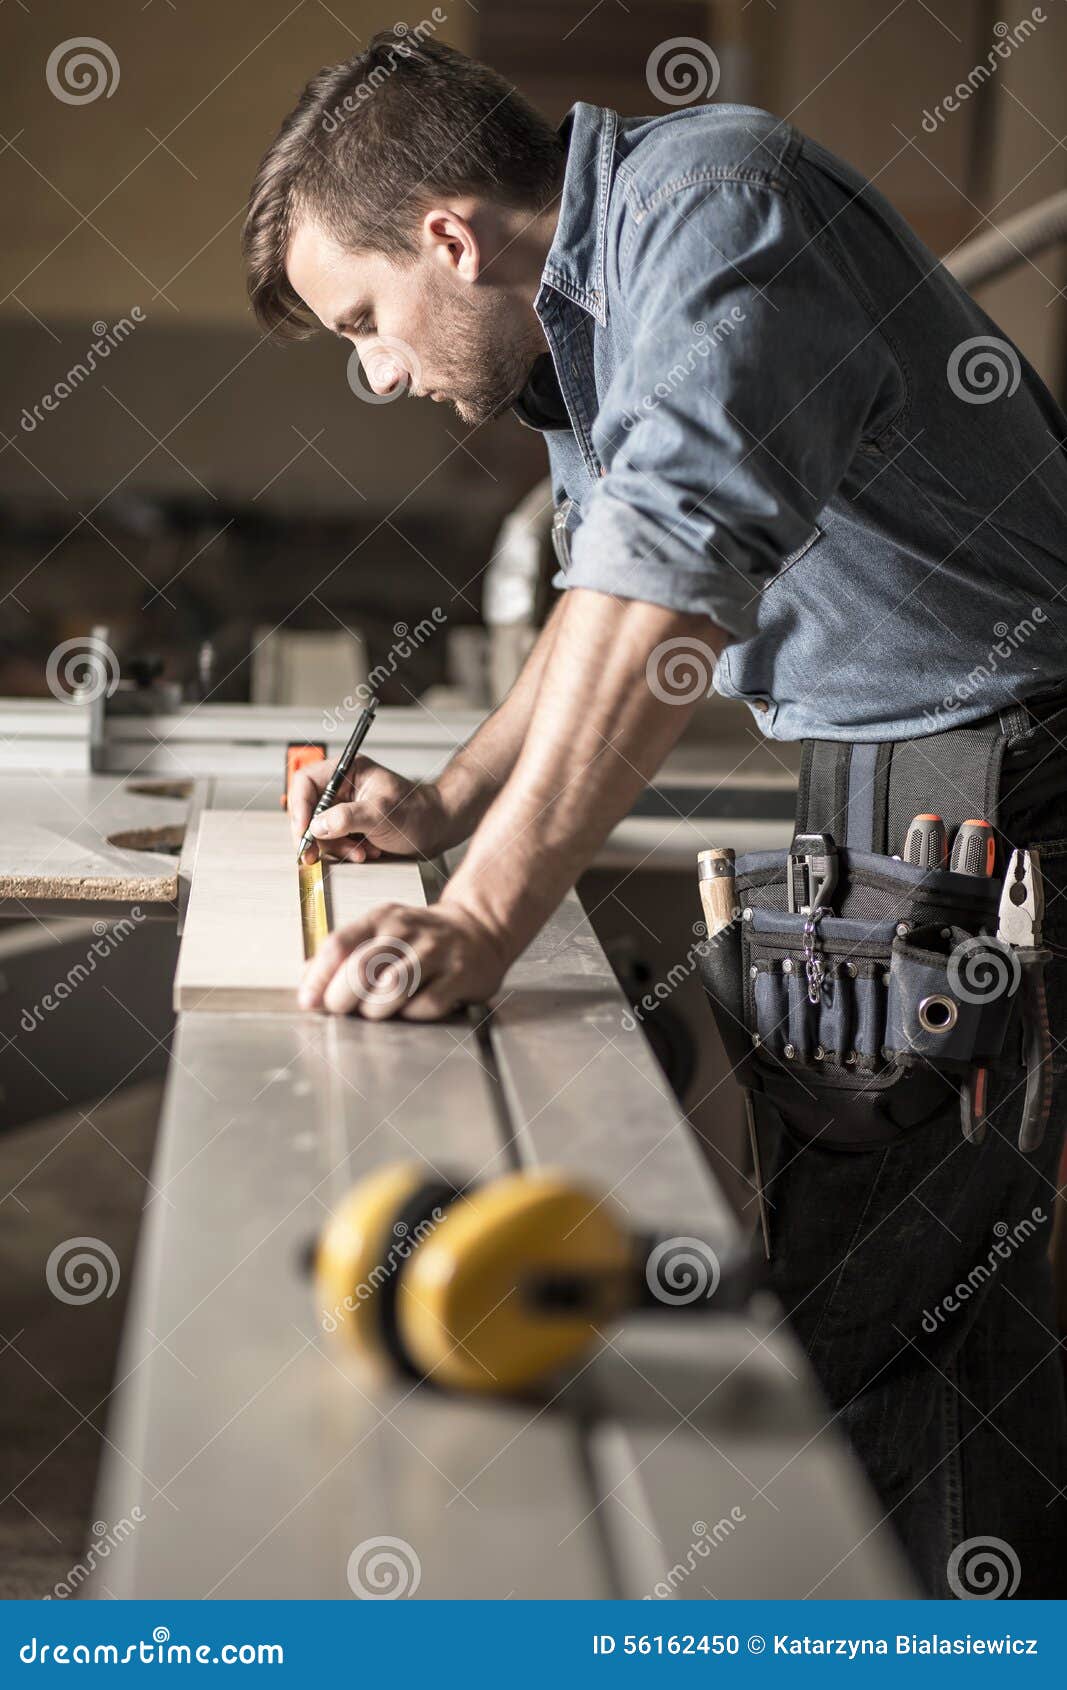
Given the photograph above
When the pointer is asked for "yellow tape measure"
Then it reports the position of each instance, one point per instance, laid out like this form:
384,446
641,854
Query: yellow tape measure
313,920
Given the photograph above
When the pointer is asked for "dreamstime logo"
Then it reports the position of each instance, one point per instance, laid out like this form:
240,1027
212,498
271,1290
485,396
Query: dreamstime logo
407,640
82,1269
380,73
384,359
700,347
981,970
382,1569
383,971
680,670
1007,642
983,369
682,70
682,1270
105,1539
983,1569
107,938
1008,1240
81,69
705,1538
406,1239
108,338
159,1650
1008,38
81,671
676,976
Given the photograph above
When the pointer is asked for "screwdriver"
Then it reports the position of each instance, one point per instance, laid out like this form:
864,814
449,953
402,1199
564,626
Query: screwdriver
926,845
974,849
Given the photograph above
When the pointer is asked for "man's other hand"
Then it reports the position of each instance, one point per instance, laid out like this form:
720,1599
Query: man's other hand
418,964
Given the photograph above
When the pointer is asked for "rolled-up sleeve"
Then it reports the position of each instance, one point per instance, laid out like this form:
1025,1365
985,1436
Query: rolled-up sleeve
751,375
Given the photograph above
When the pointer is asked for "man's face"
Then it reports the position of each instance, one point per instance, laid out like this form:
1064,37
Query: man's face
425,323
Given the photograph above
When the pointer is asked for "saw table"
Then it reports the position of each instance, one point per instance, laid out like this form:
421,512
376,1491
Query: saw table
688,1457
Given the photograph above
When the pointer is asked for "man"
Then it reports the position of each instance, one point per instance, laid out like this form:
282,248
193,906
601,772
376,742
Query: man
764,404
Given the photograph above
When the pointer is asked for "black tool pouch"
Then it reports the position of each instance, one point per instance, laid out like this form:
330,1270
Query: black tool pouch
862,1028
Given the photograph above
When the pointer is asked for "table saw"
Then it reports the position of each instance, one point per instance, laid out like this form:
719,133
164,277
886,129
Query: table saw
683,1458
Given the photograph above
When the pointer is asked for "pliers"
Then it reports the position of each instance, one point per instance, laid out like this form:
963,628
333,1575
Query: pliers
1022,913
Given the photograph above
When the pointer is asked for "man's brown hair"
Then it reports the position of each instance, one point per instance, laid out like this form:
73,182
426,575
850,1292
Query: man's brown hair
371,142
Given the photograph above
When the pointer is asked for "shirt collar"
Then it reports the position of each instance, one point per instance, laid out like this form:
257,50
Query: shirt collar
575,262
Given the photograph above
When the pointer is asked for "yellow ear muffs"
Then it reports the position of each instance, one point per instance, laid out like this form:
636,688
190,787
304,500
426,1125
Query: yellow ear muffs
364,1249
490,1288
512,1282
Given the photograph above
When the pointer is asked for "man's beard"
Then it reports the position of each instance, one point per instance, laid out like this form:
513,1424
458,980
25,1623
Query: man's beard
496,361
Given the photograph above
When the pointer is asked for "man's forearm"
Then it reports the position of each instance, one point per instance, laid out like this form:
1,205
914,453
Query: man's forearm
478,770
597,734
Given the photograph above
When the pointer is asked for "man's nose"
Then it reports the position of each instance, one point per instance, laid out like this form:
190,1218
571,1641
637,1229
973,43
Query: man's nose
383,370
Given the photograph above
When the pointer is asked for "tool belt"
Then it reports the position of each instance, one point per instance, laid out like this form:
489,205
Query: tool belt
856,992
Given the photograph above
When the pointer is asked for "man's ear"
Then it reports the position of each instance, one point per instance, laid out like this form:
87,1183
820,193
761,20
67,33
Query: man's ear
452,243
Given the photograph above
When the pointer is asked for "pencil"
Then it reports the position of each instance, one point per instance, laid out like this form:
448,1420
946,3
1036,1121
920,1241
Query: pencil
332,790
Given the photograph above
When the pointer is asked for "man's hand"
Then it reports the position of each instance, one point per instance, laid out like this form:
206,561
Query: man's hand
605,717
379,811
419,964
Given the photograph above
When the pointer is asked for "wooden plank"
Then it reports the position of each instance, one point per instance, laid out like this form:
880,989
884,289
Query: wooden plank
200,799
241,945
57,840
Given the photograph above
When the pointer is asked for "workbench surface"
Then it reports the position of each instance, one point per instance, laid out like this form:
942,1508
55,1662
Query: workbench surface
264,1465
689,1456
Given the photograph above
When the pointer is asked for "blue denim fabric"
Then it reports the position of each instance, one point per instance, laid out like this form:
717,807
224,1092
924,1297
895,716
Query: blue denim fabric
775,420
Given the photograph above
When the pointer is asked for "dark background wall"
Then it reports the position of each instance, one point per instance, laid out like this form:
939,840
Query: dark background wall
236,476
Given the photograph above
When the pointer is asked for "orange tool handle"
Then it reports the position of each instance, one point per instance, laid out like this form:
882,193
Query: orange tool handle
974,849
297,756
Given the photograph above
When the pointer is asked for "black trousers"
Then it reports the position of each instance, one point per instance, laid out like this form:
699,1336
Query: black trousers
917,1278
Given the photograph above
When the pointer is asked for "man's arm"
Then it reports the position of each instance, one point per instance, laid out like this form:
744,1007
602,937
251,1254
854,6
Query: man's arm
598,732
476,773
421,818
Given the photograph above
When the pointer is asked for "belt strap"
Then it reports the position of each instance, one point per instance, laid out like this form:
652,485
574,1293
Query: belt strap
865,793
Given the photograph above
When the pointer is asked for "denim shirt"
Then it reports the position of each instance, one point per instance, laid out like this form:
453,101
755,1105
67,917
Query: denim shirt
784,413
